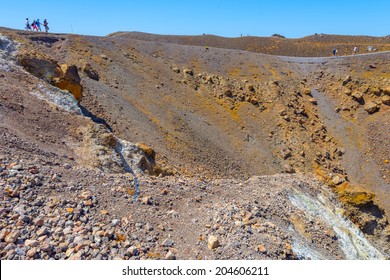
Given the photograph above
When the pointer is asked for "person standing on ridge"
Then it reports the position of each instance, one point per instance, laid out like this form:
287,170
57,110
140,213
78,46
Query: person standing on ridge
28,26
355,50
46,25
334,51
38,24
34,25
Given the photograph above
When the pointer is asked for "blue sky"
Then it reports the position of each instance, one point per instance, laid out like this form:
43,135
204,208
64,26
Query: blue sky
227,18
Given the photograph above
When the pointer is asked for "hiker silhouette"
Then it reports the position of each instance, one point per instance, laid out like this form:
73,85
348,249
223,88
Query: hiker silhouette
46,25
28,26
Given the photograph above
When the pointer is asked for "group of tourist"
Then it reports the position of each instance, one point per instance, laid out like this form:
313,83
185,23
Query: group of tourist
36,25
355,50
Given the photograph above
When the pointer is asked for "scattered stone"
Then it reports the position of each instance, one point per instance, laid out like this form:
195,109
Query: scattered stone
347,80
358,96
168,243
371,107
170,255
17,167
78,256
173,214
38,221
67,166
337,180
42,231
31,253
69,252
31,243
386,100
149,227
213,242
115,222
375,90
307,91
45,247
86,195
24,218
78,239
176,69
132,251
91,73
146,200
3,233
188,71
33,170
386,90
348,92
261,248
288,169
12,237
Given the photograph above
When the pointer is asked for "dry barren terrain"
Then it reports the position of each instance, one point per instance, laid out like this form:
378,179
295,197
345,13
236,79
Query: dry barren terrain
141,146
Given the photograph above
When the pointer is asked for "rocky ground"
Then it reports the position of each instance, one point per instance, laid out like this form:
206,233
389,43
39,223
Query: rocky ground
56,210
90,123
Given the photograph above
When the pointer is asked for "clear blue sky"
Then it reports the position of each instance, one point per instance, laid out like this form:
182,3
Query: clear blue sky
229,18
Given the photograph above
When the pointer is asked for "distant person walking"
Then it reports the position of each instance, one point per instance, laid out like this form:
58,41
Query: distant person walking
34,25
38,24
355,49
334,51
46,25
28,26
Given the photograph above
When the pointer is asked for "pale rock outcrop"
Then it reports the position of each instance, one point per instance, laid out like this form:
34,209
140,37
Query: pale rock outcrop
101,149
8,48
137,158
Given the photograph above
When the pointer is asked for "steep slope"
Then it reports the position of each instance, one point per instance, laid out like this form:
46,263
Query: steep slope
208,113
